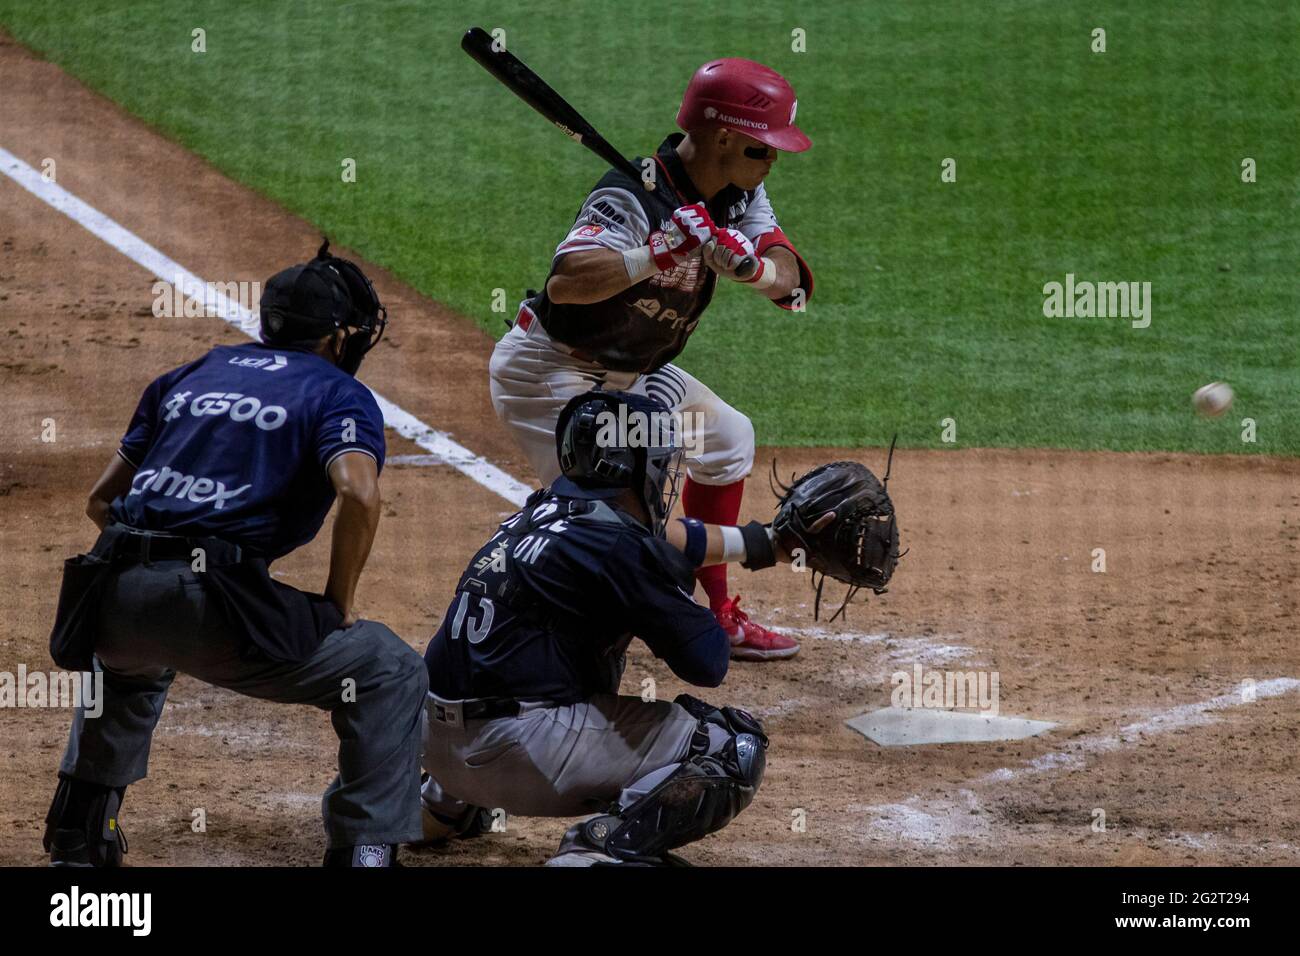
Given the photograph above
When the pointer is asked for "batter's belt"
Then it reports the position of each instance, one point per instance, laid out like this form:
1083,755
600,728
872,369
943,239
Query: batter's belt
531,325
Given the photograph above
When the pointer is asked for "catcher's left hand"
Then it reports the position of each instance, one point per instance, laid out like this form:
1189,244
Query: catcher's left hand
842,518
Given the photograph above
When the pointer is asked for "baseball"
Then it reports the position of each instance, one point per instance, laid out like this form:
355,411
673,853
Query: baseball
1214,399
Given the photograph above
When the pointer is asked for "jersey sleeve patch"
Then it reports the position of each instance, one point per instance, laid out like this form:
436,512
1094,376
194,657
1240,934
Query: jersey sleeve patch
611,218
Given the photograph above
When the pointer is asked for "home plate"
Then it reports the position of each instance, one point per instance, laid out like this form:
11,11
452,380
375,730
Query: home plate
903,726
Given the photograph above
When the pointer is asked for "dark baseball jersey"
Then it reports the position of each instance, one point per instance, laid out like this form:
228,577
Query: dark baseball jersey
646,326
547,606
237,445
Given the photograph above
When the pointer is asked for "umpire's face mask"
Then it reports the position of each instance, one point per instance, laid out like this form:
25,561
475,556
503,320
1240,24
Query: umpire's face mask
358,341
366,317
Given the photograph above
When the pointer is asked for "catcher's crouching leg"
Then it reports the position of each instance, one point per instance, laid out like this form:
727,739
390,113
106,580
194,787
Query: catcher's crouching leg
443,817
81,828
681,803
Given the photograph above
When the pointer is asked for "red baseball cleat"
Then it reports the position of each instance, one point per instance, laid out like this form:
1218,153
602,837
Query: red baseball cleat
750,641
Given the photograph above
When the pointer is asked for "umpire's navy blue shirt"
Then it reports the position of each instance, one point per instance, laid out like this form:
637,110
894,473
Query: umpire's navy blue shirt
237,445
544,609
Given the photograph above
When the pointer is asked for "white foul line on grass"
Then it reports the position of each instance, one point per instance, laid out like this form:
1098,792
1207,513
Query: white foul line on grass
147,257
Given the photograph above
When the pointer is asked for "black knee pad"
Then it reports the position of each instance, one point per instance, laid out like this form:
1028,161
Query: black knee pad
82,828
705,794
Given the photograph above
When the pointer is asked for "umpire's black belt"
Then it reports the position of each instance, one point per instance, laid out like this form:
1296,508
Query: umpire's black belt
281,622
149,546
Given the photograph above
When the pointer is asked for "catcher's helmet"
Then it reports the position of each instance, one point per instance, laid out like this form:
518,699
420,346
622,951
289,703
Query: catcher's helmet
744,96
609,441
305,302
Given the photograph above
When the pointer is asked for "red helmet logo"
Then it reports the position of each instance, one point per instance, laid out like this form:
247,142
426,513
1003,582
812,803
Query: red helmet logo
744,96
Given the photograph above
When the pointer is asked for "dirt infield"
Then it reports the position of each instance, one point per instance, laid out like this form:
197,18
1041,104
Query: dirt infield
1142,666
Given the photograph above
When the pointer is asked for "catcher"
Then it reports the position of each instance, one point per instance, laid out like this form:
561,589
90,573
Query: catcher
524,712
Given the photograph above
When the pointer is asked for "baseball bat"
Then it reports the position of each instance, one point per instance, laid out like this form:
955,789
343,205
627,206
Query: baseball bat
539,94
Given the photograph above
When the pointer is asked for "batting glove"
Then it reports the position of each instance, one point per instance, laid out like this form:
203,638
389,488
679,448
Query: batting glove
726,251
691,228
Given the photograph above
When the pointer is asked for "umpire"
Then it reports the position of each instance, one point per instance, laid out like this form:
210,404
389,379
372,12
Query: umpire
229,463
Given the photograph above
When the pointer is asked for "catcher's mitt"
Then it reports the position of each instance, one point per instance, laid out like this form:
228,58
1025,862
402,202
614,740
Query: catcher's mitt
859,546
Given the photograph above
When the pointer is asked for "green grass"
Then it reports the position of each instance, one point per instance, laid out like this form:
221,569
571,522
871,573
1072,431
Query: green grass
1116,166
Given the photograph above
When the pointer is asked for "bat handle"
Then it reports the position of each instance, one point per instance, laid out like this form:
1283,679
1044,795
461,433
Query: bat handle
746,267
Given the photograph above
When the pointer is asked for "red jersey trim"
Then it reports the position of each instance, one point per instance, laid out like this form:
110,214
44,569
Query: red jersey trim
668,176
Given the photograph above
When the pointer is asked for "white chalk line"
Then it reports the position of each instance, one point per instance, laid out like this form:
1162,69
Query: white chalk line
898,649
437,443
934,822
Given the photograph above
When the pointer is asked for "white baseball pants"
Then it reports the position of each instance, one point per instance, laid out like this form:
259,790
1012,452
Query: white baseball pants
533,377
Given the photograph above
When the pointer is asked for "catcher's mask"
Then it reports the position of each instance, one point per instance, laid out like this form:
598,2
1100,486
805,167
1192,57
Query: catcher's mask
608,441
304,303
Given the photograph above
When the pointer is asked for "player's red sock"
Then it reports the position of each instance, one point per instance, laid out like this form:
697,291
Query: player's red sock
714,504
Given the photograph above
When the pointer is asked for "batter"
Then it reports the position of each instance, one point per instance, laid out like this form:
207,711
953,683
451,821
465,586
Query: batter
628,285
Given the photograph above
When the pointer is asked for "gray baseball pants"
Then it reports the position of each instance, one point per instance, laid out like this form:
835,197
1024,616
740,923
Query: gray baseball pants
156,620
554,761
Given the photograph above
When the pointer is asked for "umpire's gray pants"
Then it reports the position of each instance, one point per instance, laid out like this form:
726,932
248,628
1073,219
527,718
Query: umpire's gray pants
554,761
156,620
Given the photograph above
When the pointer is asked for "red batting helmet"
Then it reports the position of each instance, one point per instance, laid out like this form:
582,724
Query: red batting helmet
744,96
